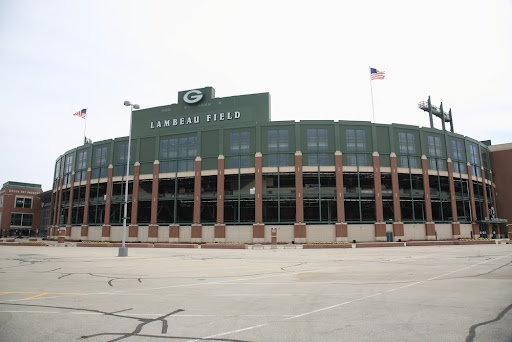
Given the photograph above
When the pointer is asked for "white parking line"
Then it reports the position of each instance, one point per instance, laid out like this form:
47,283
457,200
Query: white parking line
352,301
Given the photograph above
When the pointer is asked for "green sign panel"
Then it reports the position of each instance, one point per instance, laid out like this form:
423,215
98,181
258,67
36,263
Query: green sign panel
199,109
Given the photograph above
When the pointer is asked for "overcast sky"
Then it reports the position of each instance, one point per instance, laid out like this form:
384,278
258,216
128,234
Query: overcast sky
313,57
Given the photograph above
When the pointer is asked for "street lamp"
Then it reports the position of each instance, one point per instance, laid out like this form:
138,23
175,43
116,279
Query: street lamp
123,251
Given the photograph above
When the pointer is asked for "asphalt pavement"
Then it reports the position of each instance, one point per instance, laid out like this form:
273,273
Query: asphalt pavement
435,293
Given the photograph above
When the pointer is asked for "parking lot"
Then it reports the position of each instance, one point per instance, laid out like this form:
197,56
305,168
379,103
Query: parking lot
435,293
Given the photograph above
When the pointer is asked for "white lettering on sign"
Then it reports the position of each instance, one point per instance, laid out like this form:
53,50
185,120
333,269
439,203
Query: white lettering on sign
23,192
190,120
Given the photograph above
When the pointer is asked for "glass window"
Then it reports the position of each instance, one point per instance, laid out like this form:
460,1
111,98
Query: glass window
100,156
277,141
69,164
239,142
57,169
122,152
24,220
317,139
15,219
407,145
474,160
82,160
435,151
357,160
23,202
184,149
238,145
458,156
356,140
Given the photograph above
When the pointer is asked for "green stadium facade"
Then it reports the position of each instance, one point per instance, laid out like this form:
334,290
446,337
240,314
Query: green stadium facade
210,169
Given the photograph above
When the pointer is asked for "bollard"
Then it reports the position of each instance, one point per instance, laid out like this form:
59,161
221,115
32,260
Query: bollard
273,238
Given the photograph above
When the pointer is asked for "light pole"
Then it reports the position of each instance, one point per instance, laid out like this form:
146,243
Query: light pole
123,251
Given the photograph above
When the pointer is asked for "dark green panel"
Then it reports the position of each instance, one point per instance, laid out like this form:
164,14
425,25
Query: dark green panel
147,150
385,161
210,144
383,140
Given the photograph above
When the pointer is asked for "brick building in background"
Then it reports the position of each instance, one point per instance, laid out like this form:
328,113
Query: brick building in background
20,209
501,157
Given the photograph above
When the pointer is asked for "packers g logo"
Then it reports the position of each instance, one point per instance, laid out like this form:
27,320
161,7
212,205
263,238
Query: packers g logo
192,96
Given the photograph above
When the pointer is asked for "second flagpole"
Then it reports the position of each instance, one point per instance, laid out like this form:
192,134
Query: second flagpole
371,91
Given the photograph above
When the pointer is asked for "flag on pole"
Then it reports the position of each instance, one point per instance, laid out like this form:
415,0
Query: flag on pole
81,113
376,74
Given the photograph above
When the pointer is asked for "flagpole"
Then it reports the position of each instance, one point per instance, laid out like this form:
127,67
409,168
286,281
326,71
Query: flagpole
85,126
371,91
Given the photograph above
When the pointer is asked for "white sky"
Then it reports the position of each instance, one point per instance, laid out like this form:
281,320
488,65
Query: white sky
57,57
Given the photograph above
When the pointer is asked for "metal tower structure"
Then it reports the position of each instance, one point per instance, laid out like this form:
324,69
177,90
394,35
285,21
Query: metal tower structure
433,110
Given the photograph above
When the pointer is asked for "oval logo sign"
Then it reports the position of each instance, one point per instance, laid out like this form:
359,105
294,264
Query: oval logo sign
192,96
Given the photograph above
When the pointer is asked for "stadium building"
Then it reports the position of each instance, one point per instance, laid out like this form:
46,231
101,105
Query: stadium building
213,169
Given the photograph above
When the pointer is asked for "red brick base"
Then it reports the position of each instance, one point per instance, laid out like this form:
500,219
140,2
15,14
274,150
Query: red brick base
341,230
174,231
220,231
153,231
299,230
258,231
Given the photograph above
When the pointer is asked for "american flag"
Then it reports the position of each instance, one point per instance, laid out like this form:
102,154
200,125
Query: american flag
81,113
376,74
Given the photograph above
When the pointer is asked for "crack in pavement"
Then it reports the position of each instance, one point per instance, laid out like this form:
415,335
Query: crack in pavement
472,330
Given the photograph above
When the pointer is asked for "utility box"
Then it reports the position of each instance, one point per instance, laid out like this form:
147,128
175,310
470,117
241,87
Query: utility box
389,236
273,237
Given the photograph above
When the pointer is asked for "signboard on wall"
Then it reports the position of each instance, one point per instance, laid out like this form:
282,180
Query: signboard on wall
199,109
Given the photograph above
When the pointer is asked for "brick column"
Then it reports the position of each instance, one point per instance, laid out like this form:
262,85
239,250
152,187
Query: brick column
59,203
220,227
197,191
476,228
453,202
52,213
84,233
380,225
299,226
430,227
341,225
61,231
258,228
55,201
55,204
153,226
105,231
70,204
398,225
133,229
